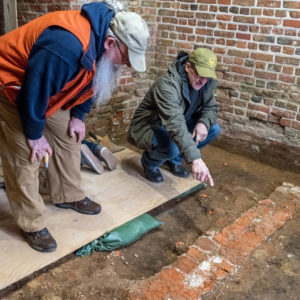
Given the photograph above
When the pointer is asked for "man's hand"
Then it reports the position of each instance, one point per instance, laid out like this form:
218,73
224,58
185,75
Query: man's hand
39,148
77,127
201,172
200,133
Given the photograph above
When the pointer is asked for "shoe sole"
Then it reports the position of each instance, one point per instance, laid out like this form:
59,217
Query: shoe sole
68,206
181,176
109,159
41,249
90,159
158,181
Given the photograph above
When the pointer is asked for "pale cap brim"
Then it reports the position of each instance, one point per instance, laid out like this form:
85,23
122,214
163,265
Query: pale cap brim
206,72
137,61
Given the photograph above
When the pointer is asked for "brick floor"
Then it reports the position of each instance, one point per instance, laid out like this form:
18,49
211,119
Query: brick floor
216,255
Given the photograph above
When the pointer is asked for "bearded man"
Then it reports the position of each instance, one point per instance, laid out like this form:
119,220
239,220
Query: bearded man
52,70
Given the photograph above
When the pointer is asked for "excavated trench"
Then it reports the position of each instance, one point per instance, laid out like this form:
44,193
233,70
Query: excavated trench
239,184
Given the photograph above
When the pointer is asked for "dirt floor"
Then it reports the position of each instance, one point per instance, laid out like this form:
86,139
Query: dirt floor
271,272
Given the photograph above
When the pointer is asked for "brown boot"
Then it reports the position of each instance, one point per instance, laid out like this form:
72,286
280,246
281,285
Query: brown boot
40,240
85,206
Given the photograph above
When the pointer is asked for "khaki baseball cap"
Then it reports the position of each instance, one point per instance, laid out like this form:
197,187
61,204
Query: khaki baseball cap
205,62
132,31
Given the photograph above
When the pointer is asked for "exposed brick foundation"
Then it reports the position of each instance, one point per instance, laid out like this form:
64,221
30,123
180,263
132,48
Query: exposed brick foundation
215,256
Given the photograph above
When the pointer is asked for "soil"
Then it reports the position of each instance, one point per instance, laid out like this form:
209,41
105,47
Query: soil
272,271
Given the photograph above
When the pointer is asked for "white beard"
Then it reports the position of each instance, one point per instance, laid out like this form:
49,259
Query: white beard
106,80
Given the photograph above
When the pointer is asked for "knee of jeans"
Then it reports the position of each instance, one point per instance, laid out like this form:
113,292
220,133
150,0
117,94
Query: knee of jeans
215,131
173,151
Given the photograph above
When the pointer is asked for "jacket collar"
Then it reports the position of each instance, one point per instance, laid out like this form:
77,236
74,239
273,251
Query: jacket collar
89,57
181,60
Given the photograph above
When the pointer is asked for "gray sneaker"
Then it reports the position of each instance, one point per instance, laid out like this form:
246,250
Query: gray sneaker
90,160
107,157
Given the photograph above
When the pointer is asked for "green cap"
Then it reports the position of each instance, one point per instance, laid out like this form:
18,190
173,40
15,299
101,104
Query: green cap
205,62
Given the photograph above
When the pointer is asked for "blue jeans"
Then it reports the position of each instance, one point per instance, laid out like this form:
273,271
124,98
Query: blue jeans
164,148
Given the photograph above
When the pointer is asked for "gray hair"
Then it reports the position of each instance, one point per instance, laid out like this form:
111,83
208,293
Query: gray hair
115,5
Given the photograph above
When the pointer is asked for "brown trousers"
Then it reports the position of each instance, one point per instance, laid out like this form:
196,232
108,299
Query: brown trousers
23,179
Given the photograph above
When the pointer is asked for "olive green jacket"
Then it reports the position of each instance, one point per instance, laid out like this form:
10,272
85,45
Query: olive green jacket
165,104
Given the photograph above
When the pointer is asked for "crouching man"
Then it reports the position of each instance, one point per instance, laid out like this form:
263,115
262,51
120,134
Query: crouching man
177,117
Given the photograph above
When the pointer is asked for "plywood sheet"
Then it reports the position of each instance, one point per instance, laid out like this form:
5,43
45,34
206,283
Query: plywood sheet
123,194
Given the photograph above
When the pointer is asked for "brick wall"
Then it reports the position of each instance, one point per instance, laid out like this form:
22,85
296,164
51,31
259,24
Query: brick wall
258,47
31,9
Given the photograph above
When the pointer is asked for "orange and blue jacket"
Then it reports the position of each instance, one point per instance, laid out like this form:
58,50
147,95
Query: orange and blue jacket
49,63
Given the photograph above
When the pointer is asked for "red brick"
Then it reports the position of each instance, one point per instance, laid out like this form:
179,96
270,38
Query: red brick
221,273
244,19
252,46
243,36
269,3
224,2
285,122
268,12
287,79
224,17
291,32
213,8
166,12
269,21
252,237
262,116
231,26
184,29
185,14
288,50
204,31
241,70
296,125
260,56
287,70
265,75
224,265
295,14
207,1
238,61
238,53
196,254
280,13
185,264
206,244
291,4
291,23
247,3
260,65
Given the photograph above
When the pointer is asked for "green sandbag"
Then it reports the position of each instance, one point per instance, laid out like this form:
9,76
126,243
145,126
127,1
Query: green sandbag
121,236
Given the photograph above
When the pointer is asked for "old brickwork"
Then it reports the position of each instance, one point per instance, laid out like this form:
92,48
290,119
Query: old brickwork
258,47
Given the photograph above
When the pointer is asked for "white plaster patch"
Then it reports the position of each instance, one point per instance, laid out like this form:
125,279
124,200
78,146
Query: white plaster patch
217,260
194,280
257,220
204,266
